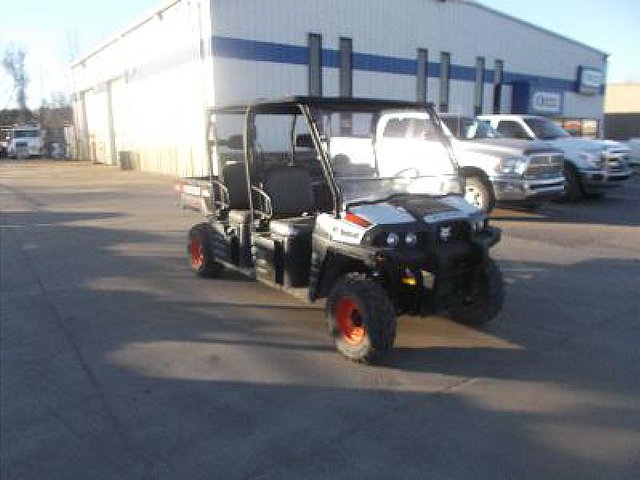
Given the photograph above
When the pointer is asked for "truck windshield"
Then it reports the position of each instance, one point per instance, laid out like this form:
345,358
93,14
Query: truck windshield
26,134
466,128
545,129
376,153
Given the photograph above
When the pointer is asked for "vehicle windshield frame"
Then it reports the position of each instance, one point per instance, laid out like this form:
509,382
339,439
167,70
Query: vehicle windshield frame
386,184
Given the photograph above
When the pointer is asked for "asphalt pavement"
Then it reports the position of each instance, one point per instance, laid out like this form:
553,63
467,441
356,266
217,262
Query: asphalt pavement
117,363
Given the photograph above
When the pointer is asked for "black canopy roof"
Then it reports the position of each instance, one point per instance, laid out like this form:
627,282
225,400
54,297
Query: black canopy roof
290,105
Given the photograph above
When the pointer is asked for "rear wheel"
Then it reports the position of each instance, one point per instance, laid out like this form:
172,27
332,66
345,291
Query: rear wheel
201,259
484,299
479,193
593,194
361,319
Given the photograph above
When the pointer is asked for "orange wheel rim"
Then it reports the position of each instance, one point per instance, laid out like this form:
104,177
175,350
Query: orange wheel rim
196,254
350,322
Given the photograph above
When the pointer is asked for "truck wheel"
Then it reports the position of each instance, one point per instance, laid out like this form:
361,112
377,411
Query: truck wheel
485,300
572,187
479,193
201,259
361,319
593,194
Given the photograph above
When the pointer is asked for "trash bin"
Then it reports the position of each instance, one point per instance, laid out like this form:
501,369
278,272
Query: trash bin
125,159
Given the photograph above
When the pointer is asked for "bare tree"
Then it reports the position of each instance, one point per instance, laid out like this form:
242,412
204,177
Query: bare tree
13,63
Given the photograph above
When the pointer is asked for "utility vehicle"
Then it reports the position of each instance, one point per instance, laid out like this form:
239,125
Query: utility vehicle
375,235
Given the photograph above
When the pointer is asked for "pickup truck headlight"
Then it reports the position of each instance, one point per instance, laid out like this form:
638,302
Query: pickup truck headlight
591,159
512,165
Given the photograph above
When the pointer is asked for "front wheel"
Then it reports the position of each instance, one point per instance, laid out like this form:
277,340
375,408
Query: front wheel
201,259
484,298
361,319
479,193
572,186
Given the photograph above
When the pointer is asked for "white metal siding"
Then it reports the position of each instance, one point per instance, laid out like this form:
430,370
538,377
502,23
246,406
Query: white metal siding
397,29
160,83
162,77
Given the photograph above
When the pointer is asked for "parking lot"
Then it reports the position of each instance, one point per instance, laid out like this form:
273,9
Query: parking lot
117,363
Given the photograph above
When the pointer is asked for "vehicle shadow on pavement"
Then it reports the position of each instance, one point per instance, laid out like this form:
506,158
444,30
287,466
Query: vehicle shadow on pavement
614,208
18,219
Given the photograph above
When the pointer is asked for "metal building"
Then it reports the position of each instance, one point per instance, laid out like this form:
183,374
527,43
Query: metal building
140,97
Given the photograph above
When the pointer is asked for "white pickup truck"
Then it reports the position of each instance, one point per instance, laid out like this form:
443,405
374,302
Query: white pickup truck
591,166
494,169
498,169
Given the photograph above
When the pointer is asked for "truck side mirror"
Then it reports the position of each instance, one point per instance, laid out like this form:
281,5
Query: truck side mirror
234,142
304,140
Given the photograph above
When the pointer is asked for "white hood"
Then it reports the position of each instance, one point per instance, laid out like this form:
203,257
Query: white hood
586,144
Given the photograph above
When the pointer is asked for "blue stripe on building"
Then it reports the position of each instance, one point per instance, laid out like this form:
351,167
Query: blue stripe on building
243,49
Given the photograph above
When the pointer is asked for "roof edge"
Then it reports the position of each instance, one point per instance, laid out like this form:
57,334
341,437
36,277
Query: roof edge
476,4
141,20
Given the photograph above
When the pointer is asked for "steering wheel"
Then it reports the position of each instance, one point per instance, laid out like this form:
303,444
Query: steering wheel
405,171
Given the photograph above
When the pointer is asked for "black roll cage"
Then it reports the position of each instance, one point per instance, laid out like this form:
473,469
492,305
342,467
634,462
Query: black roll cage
302,106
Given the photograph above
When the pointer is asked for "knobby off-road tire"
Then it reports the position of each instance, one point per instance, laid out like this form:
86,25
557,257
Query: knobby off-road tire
485,300
479,193
361,319
199,254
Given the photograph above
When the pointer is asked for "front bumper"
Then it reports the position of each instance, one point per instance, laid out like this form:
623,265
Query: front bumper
423,282
598,180
518,189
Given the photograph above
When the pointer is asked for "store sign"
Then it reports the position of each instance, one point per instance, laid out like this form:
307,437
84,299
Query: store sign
589,80
545,102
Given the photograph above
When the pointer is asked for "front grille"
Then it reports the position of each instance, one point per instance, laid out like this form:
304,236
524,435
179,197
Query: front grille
455,231
544,166
21,144
616,161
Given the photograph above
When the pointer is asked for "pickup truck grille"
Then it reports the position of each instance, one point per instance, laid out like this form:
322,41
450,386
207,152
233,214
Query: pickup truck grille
616,161
544,166
21,144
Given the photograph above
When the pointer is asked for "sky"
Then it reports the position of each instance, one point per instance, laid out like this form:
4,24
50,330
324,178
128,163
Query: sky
55,31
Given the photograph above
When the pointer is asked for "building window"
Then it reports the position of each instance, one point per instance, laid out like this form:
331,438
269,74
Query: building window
422,75
478,96
314,42
346,67
445,73
498,78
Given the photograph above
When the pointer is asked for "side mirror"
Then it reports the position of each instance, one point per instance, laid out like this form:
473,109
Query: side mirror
304,140
234,142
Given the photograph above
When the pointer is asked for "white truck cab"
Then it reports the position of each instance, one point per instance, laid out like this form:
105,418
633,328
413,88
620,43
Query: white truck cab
591,166
25,141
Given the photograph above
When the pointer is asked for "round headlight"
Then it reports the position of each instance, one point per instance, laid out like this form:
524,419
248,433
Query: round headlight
393,239
411,239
